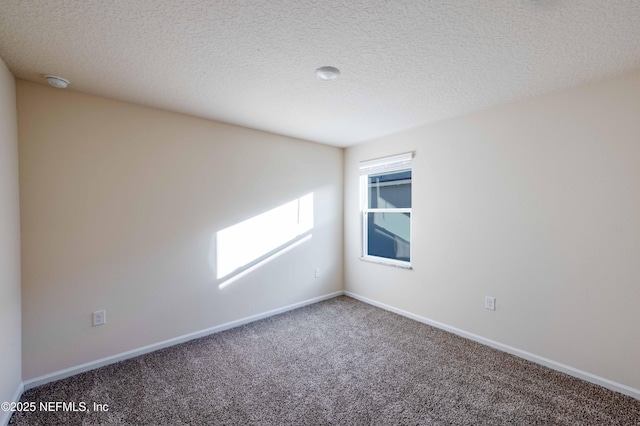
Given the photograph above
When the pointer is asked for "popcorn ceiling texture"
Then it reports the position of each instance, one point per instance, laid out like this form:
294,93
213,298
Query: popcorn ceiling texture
404,64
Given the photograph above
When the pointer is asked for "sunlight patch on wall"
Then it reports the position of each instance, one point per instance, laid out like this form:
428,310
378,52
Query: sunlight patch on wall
264,260
247,245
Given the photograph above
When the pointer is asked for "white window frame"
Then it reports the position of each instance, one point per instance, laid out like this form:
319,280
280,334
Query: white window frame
371,167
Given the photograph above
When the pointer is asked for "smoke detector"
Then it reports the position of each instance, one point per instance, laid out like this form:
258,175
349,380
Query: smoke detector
57,82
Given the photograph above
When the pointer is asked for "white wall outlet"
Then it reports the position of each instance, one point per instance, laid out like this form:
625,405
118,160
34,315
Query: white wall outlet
317,272
99,318
490,303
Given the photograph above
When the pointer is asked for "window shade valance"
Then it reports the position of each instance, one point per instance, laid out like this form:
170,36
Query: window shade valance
387,164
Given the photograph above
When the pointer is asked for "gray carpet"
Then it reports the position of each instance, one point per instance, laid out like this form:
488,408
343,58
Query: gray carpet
338,362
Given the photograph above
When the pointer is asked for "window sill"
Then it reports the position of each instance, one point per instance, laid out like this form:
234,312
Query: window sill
381,261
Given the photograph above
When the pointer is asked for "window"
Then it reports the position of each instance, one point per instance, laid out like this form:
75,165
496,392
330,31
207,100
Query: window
385,186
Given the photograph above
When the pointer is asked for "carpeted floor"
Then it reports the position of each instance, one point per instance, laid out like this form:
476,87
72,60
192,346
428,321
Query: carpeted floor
338,362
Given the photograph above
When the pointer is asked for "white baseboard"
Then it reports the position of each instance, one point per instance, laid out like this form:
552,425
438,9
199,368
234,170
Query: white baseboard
592,378
58,375
72,371
6,415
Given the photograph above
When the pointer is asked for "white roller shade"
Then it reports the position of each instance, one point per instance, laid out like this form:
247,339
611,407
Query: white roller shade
387,164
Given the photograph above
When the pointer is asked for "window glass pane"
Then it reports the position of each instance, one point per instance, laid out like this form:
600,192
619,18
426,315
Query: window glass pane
388,235
390,190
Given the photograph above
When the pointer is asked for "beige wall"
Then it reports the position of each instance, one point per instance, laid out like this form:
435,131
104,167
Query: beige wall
10,346
536,204
120,204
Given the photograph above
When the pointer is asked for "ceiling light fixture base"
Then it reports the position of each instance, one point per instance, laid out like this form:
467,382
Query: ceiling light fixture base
327,73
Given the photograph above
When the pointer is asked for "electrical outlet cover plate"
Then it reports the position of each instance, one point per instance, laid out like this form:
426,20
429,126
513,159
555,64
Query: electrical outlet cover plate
490,303
99,318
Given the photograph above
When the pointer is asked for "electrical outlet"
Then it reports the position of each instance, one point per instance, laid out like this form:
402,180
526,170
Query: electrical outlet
490,303
317,272
99,318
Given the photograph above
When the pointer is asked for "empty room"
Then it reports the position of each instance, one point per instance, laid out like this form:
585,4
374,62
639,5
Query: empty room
340,212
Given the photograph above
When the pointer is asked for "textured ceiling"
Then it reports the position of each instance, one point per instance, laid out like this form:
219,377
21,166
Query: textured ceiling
403,63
